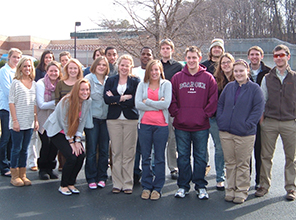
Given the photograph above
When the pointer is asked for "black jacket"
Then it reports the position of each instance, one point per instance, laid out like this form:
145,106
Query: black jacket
115,106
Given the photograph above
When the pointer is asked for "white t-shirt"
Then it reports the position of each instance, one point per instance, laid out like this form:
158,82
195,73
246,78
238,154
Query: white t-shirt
139,72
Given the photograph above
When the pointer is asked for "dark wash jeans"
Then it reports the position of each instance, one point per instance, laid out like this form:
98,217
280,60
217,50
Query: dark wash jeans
5,136
97,138
157,136
199,140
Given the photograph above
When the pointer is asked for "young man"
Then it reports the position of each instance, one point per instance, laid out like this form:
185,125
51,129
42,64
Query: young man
279,89
194,101
258,70
170,68
111,55
7,73
215,52
146,54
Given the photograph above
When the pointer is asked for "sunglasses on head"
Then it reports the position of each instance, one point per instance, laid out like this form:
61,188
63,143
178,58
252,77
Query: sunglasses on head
281,55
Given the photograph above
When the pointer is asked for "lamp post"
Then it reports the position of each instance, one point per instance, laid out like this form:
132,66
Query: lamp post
76,24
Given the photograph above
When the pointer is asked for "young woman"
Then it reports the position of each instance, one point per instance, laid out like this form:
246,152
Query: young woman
153,97
72,73
46,104
7,72
23,119
97,138
97,53
64,57
46,57
65,126
223,75
239,109
119,94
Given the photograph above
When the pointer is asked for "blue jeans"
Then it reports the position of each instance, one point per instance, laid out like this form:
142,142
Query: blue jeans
219,157
137,170
20,144
97,138
157,136
199,139
4,164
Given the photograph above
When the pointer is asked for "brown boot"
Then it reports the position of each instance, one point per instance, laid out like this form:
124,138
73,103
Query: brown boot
23,176
15,179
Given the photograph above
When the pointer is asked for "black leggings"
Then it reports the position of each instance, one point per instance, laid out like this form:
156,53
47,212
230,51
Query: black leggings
48,153
73,163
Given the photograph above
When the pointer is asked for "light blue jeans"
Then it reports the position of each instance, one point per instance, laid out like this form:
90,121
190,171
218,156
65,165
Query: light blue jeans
219,157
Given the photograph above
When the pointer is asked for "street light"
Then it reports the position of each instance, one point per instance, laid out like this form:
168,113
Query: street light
76,24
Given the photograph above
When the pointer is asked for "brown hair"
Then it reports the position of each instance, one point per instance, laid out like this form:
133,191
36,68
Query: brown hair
167,41
193,49
73,111
56,64
282,47
219,74
259,49
149,66
101,51
64,53
96,63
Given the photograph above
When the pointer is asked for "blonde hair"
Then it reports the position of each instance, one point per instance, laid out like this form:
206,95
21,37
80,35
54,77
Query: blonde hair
80,72
149,66
127,57
19,67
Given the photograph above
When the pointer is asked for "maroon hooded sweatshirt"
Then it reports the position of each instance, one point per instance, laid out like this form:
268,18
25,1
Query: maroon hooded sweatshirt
194,100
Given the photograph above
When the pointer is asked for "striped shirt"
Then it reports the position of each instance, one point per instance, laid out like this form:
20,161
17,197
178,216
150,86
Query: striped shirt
24,100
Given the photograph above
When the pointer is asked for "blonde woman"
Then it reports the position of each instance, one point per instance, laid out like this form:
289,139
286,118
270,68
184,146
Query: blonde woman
119,94
23,119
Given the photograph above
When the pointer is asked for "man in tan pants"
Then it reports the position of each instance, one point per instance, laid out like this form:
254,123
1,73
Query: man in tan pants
279,89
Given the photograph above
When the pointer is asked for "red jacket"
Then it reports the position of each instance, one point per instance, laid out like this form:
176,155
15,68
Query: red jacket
194,99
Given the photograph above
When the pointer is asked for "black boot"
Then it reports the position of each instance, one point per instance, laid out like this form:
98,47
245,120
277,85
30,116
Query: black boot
52,174
43,175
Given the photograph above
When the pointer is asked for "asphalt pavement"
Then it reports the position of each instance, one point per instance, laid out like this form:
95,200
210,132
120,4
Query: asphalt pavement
42,201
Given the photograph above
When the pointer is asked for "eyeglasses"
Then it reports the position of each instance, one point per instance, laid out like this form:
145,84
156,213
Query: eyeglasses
281,55
225,63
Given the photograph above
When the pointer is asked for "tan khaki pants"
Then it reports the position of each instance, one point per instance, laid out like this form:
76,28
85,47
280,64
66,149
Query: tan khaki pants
171,147
270,130
123,136
237,152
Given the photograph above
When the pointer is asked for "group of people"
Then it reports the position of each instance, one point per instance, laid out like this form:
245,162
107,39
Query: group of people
133,112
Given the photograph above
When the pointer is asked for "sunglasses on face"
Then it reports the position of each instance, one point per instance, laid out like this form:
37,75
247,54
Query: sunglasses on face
281,55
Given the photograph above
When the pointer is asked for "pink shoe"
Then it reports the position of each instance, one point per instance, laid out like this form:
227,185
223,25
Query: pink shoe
92,185
102,184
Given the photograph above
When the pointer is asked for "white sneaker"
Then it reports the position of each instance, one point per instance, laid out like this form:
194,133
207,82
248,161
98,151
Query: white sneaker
181,193
202,193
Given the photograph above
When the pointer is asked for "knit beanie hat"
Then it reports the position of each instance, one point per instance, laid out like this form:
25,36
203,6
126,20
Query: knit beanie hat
217,42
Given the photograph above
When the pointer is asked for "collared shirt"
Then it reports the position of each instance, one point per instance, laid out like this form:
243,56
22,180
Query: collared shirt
170,68
263,83
6,76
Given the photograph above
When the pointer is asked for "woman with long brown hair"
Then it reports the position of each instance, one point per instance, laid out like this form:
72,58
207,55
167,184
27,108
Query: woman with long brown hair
65,126
72,73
